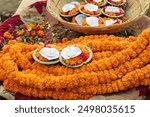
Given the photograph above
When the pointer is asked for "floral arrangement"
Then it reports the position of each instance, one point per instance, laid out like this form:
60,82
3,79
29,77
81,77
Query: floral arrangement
99,8
41,57
71,8
89,12
116,13
109,21
99,3
30,33
83,56
37,33
106,73
100,22
70,12
117,2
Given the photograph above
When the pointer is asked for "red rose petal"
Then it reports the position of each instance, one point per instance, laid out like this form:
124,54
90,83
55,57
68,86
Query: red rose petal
82,8
39,5
84,56
116,22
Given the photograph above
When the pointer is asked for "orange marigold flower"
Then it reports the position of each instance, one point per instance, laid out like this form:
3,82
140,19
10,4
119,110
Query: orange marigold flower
64,40
40,27
8,35
128,68
40,33
20,32
30,27
82,3
32,33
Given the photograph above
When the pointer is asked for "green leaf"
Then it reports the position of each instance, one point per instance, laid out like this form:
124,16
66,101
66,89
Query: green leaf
23,37
17,28
36,36
30,38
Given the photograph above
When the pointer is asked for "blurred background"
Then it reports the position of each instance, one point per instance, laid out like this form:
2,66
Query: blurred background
9,4
8,7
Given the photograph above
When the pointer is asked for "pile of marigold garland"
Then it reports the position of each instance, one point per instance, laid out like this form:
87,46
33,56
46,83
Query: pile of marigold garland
118,64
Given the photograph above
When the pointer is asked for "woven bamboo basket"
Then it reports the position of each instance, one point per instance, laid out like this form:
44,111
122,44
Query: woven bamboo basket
135,9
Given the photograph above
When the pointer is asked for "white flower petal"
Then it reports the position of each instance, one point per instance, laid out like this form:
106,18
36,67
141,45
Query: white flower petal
49,53
79,18
68,7
116,0
112,9
70,52
91,7
75,3
110,22
97,0
92,21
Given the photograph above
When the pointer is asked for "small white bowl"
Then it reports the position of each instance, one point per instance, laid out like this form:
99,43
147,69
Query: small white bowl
113,16
116,4
79,65
105,2
80,10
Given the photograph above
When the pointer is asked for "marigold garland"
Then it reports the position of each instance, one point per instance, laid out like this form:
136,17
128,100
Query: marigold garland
118,64
95,78
47,94
134,78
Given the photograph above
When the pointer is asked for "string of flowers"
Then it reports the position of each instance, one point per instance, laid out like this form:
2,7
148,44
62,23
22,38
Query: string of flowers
47,94
133,79
109,75
127,68
104,64
17,48
42,68
94,78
